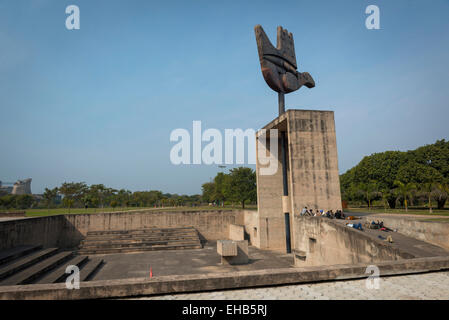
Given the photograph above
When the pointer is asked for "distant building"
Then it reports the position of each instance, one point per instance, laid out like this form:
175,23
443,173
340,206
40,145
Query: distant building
22,187
19,187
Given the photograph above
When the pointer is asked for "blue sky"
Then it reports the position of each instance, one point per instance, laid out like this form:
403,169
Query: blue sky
98,104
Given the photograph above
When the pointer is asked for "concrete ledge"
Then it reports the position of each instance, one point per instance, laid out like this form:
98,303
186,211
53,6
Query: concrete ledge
218,281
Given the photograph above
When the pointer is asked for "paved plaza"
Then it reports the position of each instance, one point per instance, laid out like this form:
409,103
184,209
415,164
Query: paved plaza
185,262
426,286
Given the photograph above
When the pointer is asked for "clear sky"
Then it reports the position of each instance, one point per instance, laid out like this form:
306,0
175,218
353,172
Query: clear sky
98,104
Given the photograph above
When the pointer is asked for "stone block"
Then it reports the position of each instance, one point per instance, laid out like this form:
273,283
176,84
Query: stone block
242,254
227,248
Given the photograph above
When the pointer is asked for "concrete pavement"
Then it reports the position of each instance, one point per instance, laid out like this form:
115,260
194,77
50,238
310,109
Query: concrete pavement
426,286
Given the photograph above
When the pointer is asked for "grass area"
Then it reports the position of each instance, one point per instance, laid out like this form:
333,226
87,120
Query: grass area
55,211
49,212
412,211
435,219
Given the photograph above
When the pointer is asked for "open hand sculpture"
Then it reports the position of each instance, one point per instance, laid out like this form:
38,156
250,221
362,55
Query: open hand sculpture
279,64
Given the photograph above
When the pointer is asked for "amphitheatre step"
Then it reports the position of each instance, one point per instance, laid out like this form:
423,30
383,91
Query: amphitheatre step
137,240
26,261
13,253
125,239
137,243
90,268
130,238
59,275
137,249
28,275
146,230
143,234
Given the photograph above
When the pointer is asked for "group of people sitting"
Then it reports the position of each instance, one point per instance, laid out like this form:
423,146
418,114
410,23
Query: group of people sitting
320,213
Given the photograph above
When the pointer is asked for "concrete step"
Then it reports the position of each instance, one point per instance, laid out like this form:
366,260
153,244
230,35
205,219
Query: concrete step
88,241
29,274
14,253
135,231
123,239
142,235
25,261
90,268
122,244
137,249
59,275
115,241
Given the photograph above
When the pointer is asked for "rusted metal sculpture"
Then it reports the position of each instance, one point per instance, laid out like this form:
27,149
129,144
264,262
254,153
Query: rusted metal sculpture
278,64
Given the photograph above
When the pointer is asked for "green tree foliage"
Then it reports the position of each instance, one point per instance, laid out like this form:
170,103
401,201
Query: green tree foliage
426,167
239,185
405,191
208,191
79,195
73,192
441,194
50,196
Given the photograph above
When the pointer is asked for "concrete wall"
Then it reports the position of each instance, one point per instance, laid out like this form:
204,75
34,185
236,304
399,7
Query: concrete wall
324,242
46,231
312,173
250,221
68,230
434,232
236,232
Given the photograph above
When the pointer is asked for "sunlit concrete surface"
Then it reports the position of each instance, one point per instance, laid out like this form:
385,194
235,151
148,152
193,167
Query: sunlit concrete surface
427,286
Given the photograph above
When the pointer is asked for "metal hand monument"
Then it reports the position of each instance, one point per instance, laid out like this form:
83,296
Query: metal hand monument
278,64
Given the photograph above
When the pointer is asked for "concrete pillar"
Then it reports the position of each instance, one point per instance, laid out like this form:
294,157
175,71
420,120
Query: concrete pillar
312,171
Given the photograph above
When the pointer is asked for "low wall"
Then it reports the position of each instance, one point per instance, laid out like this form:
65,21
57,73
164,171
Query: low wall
321,241
434,232
217,281
67,231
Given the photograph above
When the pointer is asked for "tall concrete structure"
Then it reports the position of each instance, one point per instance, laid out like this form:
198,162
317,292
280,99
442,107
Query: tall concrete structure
307,172
312,174
22,187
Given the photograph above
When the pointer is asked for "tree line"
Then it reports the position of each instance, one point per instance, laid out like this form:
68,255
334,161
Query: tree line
80,195
415,177
238,186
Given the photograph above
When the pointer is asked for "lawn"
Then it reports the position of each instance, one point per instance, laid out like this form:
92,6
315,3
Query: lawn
55,211
413,211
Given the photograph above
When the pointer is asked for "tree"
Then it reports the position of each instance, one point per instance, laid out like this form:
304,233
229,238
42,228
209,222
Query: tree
24,201
390,196
242,185
427,164
113,204
370,191
50,196
99,193
405,190
441,194
208,191
427,188
219,187
72,192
